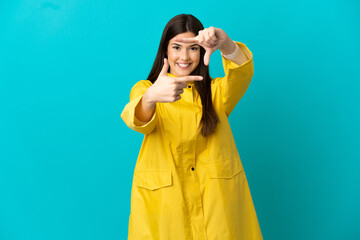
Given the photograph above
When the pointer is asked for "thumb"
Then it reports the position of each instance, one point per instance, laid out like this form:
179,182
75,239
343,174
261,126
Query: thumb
165,68
207,57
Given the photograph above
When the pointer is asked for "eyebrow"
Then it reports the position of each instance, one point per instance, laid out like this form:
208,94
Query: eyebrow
190,45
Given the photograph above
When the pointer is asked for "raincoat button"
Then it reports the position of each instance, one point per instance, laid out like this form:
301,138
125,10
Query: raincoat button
192,169
189,86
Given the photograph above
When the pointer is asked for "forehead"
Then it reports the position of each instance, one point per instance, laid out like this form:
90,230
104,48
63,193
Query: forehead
183,35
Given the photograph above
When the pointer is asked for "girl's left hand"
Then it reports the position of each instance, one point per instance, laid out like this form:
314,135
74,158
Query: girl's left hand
210,39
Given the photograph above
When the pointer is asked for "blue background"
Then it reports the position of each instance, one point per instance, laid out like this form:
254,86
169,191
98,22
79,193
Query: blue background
66,70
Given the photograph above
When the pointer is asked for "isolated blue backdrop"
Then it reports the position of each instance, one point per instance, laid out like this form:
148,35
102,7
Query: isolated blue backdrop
66,70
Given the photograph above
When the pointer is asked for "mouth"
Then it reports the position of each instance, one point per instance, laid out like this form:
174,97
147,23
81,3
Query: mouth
183,66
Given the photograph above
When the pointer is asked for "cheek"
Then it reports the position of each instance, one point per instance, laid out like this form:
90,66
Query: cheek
171,57
196,57
197,60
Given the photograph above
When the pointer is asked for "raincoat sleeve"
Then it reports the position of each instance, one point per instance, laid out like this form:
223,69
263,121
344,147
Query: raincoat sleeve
128,114
236,80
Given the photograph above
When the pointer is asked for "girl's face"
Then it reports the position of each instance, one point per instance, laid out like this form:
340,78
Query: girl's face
183,57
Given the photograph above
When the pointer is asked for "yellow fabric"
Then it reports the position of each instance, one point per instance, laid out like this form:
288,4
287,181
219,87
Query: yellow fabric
169,199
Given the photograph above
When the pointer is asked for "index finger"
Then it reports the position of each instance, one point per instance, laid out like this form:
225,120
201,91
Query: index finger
187,40
189,78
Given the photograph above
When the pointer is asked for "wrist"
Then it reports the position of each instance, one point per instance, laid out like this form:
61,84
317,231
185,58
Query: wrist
148,96
233,55
228,47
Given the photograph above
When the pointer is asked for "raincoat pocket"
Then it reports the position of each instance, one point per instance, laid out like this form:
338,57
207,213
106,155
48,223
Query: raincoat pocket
225,169
153,180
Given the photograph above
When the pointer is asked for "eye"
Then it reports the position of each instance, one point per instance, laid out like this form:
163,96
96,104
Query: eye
176,47
194,48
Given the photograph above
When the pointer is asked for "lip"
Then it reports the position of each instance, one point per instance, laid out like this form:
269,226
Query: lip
183,67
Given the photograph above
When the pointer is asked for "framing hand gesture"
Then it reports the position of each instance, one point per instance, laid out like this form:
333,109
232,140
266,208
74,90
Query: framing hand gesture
168,89
210,39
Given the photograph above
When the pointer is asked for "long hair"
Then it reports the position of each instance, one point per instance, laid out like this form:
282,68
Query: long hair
180,24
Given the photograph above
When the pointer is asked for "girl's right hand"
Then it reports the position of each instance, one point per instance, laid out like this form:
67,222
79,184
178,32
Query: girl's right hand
168,89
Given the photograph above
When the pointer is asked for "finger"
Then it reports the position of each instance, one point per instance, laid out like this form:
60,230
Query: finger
212,37
201,38
213,33
207,58
208,40
204,40
180,85
188,78
165,68
206,43
180,91
187,40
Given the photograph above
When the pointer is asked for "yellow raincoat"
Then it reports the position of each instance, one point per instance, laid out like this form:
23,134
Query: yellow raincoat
187,186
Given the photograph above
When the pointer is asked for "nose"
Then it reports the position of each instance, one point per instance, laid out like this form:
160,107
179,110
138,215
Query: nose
184,55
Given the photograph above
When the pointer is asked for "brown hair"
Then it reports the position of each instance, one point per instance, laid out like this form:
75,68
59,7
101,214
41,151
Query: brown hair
180,24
